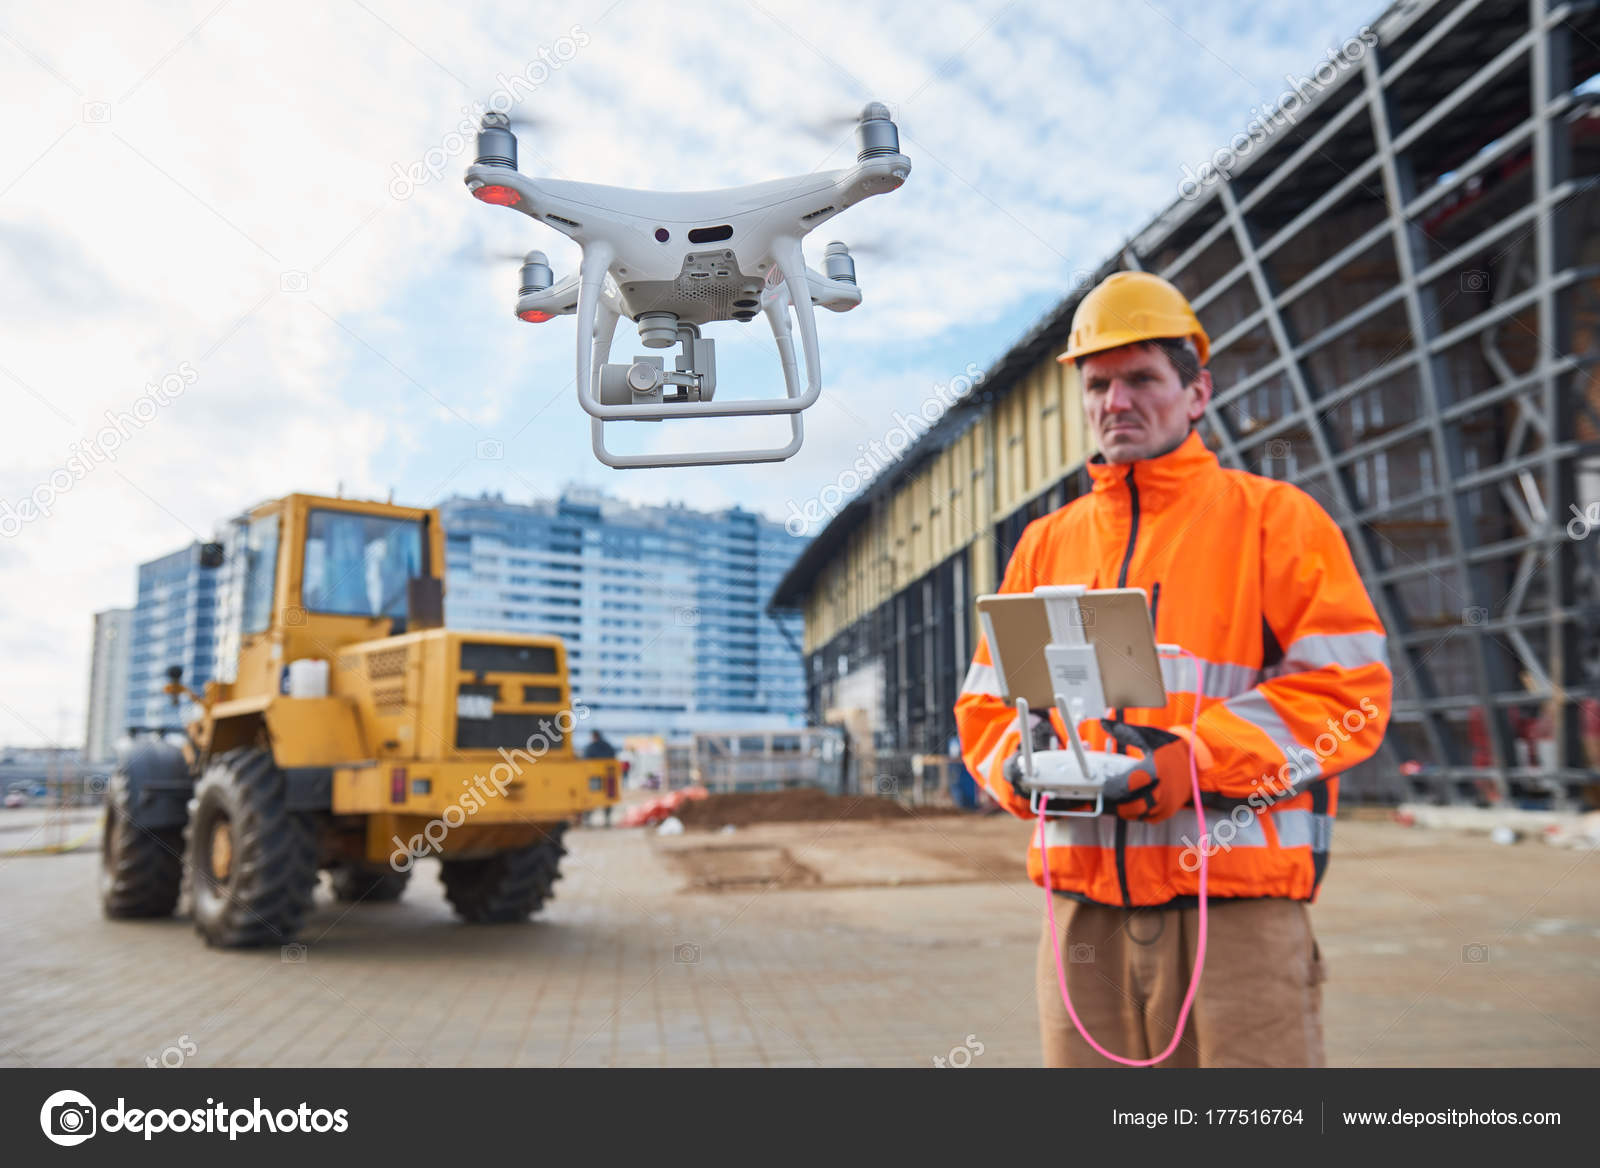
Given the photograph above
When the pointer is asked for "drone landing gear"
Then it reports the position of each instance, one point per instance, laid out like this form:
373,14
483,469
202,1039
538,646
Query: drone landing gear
638,395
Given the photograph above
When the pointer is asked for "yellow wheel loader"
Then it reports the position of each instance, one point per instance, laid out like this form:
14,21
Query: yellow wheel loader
358,736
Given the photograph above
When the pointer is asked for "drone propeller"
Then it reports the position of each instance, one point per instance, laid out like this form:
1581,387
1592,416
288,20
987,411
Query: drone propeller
519,122
479,252
834,126
828,127
497,135
534,275
484,257
877,249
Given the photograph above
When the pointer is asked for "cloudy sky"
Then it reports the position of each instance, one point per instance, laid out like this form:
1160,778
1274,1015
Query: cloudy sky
234,201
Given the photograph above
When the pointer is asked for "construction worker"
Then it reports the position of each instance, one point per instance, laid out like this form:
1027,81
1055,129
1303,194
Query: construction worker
600,747
1253,577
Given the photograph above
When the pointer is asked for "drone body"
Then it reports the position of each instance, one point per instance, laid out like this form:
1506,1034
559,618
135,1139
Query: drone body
673,262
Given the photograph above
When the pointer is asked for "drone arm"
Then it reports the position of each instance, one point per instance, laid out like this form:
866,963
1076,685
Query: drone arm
834,295
554,209
872,176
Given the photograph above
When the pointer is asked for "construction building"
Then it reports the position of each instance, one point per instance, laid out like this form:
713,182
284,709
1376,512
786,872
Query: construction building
1399,268
174,624
662,608
109,657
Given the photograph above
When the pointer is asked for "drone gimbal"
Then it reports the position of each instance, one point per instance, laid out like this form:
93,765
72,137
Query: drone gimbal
674,261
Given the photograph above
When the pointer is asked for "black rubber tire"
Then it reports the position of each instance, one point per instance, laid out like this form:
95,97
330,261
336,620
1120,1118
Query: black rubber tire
141,869
508,887
268,890
368,883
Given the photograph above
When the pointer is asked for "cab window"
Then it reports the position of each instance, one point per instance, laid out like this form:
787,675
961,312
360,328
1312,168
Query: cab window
261,567
358,565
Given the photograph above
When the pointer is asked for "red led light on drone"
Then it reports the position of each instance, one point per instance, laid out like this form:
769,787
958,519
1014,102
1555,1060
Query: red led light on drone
534,316
499,196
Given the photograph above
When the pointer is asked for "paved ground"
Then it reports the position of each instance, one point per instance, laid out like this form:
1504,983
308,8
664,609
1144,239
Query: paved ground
884,945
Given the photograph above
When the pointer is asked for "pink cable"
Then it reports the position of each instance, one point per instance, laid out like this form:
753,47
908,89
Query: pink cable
1200,946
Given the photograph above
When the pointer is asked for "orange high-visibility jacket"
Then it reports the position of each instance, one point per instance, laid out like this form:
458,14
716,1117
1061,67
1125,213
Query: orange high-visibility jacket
1253,577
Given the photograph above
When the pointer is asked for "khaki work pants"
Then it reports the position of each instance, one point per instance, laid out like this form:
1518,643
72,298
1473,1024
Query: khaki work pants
1259,1002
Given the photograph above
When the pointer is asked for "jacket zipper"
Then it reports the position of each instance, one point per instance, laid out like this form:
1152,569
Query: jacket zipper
1122,582
1133,528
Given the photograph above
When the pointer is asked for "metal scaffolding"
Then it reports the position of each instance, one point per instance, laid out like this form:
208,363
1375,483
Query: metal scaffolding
1397,290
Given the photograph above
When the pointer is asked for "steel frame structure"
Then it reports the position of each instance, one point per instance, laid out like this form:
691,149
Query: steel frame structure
1527,610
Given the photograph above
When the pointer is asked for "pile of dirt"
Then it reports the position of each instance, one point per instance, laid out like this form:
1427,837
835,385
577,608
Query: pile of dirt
793,805
719,867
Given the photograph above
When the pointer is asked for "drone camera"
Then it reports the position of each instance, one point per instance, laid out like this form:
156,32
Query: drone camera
627,384
658,330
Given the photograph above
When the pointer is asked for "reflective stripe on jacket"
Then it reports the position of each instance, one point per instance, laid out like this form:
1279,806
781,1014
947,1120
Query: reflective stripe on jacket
1254,578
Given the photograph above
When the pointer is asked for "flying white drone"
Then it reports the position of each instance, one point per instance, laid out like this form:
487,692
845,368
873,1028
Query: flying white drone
673,262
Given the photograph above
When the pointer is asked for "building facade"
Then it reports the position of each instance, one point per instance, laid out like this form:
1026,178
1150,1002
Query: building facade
662,608
109,656
1402,286
174,623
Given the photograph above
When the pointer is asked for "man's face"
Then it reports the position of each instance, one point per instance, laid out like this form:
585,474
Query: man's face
1136,406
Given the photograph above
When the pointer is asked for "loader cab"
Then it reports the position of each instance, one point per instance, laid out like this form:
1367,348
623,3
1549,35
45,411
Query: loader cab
321,573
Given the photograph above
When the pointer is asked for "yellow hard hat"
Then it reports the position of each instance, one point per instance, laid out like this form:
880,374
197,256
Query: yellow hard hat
1128,307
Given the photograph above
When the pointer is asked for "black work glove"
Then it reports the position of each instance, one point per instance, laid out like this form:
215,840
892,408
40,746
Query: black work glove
1013,773
1043,734
1158,785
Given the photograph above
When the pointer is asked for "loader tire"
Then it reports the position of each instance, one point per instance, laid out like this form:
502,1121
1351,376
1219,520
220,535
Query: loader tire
141,868
252,864
507,887
368,883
